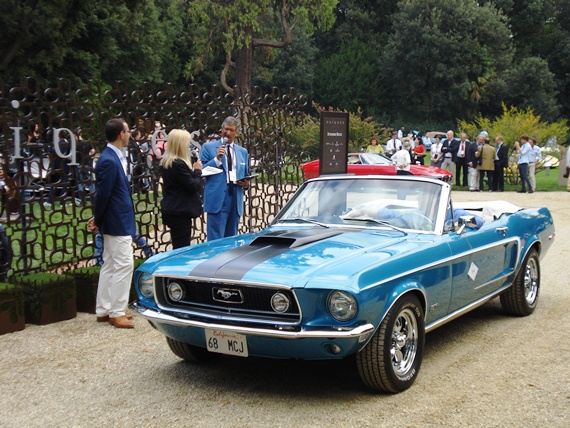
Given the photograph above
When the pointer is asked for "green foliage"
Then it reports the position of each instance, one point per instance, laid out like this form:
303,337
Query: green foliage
46,288
230,26
452,49
529,76
11,301
87,272
110,40
513,123
359,84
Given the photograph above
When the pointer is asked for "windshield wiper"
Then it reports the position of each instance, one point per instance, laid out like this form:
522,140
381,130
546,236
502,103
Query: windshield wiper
305,220
374,220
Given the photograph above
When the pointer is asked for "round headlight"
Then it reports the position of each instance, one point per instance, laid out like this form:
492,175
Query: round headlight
342,305
175,291
146,286
280,302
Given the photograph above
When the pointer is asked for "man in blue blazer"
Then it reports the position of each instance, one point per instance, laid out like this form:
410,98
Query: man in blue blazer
114,217
223,192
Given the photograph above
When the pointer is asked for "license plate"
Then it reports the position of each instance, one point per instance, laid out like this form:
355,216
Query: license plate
224,342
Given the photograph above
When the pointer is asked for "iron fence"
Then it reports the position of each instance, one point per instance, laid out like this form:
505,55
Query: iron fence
48,182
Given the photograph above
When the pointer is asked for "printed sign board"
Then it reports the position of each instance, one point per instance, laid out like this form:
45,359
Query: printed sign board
334,143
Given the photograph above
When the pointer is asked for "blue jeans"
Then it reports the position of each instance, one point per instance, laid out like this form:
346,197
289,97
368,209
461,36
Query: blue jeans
523,170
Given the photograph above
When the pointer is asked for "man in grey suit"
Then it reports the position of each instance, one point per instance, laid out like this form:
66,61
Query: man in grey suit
114,217
223,192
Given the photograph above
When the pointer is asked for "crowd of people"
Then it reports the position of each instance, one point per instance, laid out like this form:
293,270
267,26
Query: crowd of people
477,165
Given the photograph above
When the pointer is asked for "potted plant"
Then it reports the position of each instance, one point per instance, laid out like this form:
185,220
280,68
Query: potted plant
86,282
48,297
11,308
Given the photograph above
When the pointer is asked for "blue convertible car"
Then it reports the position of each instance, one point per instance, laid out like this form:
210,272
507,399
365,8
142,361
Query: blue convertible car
363,265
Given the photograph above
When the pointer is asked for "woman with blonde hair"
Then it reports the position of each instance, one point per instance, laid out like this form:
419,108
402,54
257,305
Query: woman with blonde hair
181,188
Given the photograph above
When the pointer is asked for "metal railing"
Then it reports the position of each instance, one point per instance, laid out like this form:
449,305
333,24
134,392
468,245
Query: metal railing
48,180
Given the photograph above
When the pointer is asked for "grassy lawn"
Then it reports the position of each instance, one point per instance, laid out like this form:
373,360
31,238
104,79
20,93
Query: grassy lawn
544,183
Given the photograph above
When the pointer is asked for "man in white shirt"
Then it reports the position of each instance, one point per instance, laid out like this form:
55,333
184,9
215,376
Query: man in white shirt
402,158
393,144
534,155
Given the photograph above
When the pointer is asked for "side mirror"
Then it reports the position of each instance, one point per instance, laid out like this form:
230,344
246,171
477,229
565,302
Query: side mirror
466,221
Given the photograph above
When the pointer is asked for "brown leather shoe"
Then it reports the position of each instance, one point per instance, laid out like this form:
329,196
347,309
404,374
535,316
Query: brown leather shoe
122,322
105,318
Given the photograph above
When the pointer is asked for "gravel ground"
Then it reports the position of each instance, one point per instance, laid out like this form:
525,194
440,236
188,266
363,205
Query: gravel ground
484,369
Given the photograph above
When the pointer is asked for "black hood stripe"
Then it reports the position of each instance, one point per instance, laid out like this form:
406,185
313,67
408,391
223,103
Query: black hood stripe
234,264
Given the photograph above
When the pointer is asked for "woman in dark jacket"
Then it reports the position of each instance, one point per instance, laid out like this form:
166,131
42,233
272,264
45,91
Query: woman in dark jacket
181,188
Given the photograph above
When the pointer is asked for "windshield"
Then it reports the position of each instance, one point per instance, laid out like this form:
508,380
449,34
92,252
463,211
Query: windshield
373,202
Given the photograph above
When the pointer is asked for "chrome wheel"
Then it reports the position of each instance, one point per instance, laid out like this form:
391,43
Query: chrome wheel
404,343
522,296
531,278
391,360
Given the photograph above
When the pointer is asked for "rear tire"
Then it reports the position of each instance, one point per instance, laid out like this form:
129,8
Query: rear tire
189,352
520,299
392,359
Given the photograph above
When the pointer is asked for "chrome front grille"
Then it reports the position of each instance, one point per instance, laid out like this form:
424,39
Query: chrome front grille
234,302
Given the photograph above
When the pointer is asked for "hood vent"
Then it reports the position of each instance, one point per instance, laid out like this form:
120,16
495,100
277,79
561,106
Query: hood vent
295,238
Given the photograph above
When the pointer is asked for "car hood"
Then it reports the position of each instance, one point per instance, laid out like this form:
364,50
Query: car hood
298,257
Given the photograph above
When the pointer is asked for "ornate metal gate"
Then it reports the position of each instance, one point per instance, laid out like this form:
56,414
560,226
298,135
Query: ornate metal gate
48,178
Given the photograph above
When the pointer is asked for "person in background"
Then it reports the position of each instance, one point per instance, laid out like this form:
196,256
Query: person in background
114,216
223,192
393,144
473,162
501,162
374,147
534,156
460,161
523,151
402,158
419,151
436,154
86,152
487,165
34,133
182,184
449,149
567,174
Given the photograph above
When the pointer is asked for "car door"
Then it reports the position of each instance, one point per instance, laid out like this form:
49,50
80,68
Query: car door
483,260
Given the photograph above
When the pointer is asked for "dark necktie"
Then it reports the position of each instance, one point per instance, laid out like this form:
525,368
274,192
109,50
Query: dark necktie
230,160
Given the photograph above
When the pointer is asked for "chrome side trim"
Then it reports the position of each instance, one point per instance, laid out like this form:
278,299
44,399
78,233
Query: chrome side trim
452,258
464,310
161,318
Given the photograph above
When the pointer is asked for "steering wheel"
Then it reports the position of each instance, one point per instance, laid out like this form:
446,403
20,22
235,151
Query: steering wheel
426,224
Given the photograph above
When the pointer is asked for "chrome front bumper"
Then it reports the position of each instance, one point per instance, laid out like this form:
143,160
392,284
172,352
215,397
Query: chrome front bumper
154,316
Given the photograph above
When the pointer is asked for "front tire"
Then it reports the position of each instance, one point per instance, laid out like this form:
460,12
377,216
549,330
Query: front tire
392,359
189,352
520,299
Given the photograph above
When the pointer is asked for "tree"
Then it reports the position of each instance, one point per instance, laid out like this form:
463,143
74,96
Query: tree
441,57
528,83
240,26
291,67
348,79
512,123
132,40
